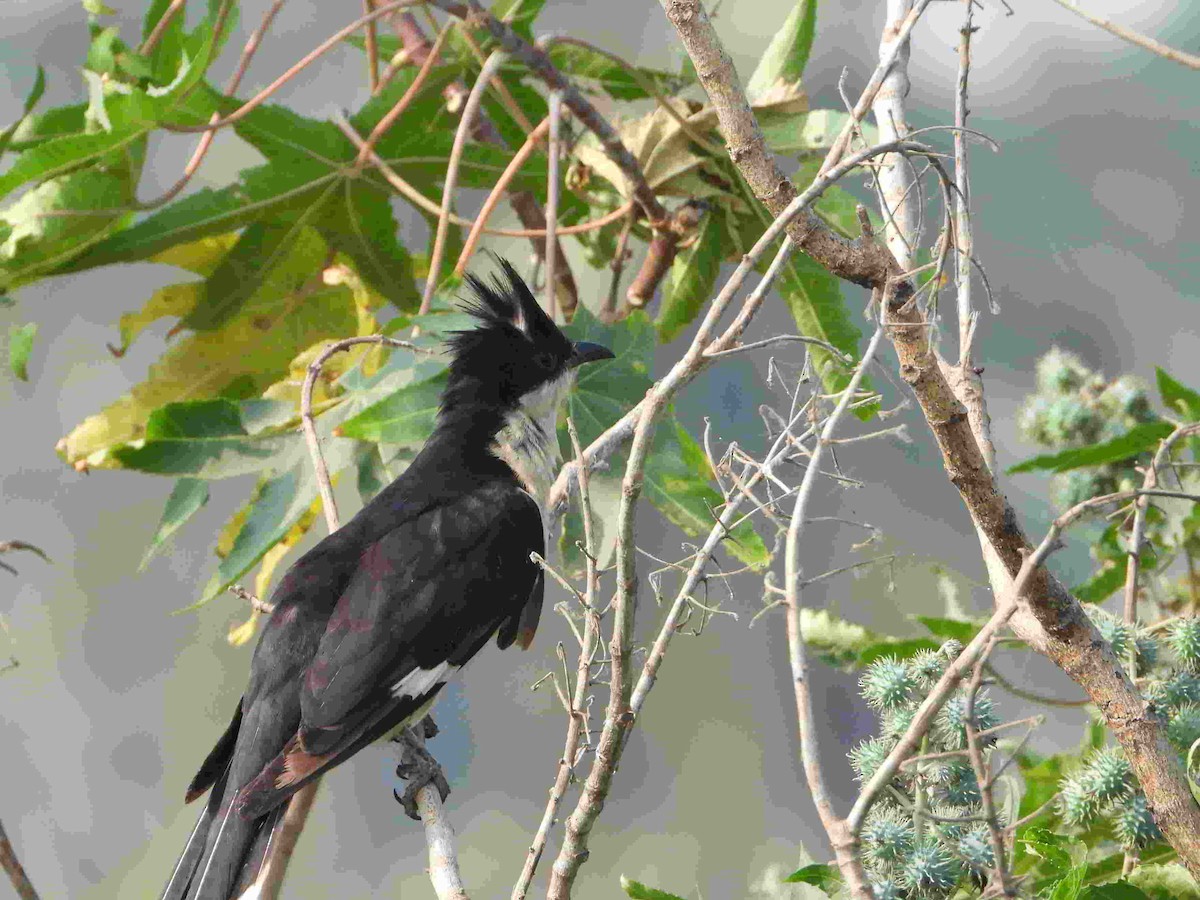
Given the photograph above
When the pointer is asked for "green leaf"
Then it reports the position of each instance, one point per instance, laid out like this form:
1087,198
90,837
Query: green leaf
168,53
639,891
1115,890
269,256
782,65
819,875
1102,585
210,439
1138,439
358,221
676,482
1178,398
1070,887
20,346
404,418
98,8
187,498
520,14
950,628
808,131
595,69
1051,849
35,94
1165,882
690,281
898,648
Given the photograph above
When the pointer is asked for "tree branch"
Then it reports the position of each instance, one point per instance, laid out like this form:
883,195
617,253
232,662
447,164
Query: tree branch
13,868
1062,630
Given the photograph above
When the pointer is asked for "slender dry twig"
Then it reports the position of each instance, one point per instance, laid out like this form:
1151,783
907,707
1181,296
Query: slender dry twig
372,47
843,839
1137,533
443,863
577,709
418,199
324,47
538,62
498,190
460,141
552,165
13,868
1134,37
984,778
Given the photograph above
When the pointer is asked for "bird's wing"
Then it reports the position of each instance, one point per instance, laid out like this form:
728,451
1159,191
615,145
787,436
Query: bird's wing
424,599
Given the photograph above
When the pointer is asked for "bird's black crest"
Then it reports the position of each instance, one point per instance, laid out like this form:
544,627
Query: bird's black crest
514,346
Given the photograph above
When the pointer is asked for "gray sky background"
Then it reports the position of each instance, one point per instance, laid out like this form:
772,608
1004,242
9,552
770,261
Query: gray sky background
1086,222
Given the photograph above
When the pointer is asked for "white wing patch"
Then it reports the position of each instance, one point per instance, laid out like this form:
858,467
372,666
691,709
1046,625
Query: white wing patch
420,681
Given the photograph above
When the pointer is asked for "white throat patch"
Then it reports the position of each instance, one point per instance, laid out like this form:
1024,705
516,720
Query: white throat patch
528,442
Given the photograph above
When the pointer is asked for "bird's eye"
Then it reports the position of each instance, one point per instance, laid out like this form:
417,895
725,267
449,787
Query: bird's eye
544,361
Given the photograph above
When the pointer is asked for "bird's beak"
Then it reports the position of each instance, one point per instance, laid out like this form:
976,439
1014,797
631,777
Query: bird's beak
586,352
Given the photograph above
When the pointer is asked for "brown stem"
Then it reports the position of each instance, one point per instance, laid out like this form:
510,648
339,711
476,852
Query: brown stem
15,871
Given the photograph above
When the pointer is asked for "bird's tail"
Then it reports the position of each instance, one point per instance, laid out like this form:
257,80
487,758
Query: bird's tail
223,855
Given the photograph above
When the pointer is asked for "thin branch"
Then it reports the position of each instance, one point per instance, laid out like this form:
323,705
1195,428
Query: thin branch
460,140
372,43
842,838
578,706
538,62
324,47
13,868
1134,37
552,175
984,779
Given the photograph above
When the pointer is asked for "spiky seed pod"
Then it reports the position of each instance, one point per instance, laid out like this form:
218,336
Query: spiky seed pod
950,726
888,838
975,849
957,786
868,756
887,889
944,828
1076,804
1060,371
1107,776
1113,630
930,871
1146,648
926,667
1125,399
1183,728
1181,688
894,722
1133,825
886,684
951,649
1184,638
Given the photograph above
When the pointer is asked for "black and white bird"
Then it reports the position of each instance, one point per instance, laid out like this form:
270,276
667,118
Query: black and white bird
371,623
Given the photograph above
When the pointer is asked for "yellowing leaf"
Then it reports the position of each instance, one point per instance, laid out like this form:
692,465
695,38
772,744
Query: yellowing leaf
244,633
238,360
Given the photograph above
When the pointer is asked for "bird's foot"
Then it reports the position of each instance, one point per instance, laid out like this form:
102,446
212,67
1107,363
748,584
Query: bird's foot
418,767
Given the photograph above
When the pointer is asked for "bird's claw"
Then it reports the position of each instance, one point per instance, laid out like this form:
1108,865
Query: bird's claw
419,768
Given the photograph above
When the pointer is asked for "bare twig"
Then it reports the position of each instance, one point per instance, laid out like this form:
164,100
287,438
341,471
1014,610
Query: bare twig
443,864
578,706
985,780
13,868
842,838
460,140
538,62
552,166
1134,37
1137,533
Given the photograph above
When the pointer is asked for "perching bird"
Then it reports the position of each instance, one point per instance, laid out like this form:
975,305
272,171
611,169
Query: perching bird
371,623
